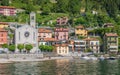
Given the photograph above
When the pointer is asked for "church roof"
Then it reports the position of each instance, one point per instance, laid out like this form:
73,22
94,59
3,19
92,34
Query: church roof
111,34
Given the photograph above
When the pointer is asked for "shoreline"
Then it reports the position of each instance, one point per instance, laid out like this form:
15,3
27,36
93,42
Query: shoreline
15,60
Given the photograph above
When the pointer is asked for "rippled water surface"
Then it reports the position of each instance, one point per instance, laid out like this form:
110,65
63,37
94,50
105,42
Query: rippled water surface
62,67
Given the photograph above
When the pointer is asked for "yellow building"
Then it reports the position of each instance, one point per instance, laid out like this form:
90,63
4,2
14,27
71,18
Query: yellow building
3,25
80,30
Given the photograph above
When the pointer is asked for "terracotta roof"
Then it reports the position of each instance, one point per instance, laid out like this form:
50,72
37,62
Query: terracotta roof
43,30
91,39
61,29
79,26
111,34
7,7
63,45
2,30
4,23
50,39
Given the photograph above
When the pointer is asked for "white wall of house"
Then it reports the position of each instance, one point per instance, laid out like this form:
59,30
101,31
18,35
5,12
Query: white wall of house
42,43
63,50
95,46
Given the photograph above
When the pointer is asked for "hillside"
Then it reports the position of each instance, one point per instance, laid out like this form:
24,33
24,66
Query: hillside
87,12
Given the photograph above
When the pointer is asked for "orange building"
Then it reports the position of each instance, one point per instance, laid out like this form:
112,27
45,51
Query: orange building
80,30
44,33
3,36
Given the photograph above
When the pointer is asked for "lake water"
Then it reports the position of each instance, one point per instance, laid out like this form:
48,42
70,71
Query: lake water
62,67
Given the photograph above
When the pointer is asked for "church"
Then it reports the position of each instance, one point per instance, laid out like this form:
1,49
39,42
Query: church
27,34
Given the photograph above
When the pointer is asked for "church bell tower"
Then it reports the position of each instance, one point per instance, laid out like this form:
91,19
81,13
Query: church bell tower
33,19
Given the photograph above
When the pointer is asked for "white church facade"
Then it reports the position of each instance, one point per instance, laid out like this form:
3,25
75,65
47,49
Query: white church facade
27,34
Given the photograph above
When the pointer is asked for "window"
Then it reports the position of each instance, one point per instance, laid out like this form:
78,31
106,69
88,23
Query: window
1,35
97,43
62,50
65,51
59,51
19,35
91,43
33,35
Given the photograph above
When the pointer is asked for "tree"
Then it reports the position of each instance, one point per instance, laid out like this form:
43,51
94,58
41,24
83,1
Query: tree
29,8
11,37
28,47
80,20
45,10
46,48
62,6
88,50
20,47
5,2
42,48
12,47
4,45
50,48
74,7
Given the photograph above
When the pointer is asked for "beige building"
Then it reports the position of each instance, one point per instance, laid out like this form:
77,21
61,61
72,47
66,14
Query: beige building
93,44
62,49
111,42
80,30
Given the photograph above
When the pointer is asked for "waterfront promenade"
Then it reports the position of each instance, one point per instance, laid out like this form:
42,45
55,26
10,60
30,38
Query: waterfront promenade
11,58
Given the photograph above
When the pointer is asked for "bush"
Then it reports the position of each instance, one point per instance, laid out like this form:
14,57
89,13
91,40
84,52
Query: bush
28,47
12,48
20,47
88,50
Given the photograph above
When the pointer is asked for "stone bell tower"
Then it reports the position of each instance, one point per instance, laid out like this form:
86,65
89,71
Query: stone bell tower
33,19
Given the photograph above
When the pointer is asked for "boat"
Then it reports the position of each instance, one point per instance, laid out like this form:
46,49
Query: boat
102,57
93,58
85,58
111,58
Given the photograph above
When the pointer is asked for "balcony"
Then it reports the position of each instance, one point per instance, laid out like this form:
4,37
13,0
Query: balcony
113,46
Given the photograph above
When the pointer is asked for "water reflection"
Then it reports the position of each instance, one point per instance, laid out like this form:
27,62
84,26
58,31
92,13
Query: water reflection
62,67
5,69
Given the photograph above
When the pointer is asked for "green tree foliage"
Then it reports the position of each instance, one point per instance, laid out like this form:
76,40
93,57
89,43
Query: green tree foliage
20,47
74,7
46,48
88,50
28,47
62,6
12,47
5,2
4,45
107,11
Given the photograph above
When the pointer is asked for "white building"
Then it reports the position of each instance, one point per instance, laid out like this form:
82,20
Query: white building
26,35
93,44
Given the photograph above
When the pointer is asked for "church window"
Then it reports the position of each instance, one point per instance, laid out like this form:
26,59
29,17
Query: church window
34,35
19,35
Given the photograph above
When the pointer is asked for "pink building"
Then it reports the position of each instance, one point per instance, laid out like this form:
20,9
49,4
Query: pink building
3,36
62,21
61,33
7,10
44,33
